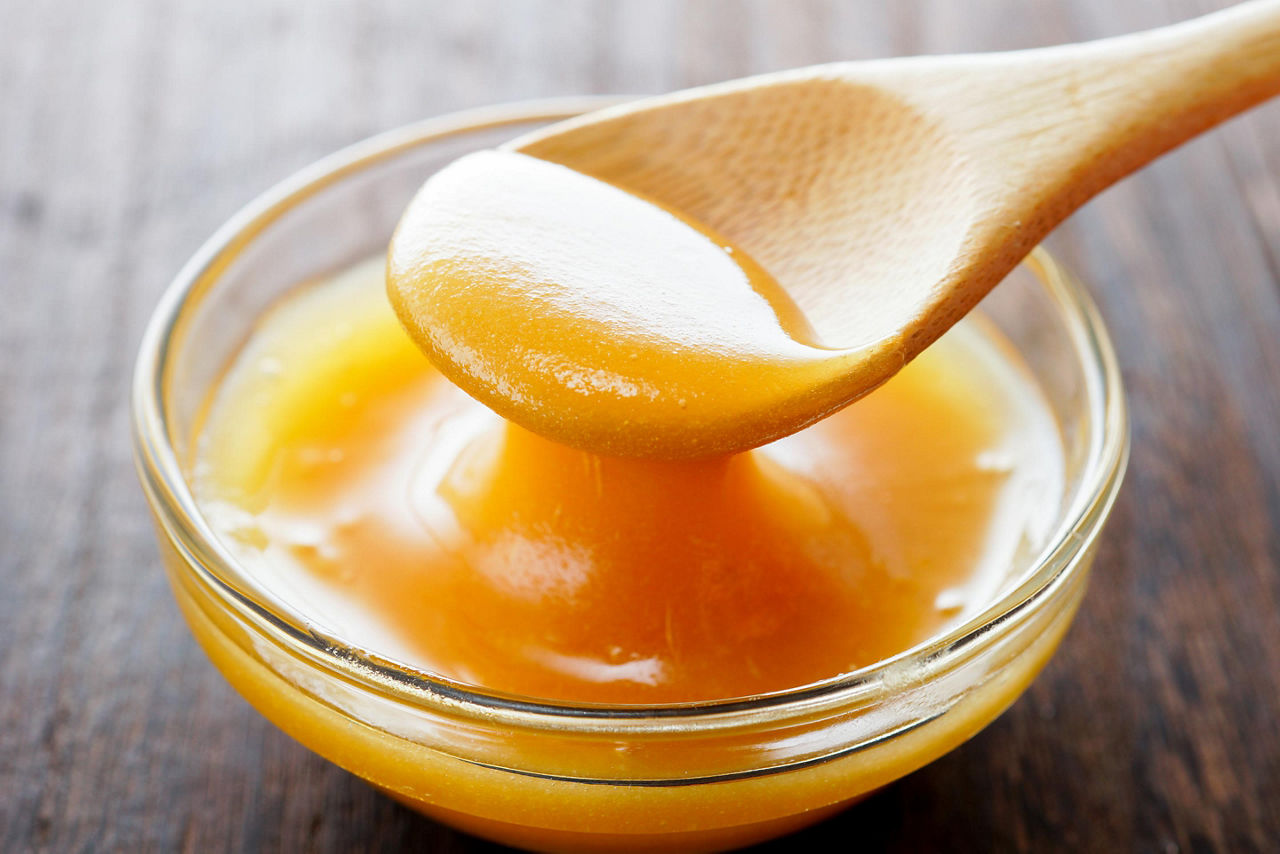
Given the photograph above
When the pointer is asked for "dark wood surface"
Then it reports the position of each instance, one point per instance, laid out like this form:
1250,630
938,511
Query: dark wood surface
130,129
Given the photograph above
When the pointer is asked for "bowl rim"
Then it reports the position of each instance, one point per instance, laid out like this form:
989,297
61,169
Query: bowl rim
177,511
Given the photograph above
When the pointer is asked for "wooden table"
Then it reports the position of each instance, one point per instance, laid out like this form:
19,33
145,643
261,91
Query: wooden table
129,130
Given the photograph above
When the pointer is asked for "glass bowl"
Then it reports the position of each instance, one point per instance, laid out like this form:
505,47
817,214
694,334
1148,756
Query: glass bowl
580,777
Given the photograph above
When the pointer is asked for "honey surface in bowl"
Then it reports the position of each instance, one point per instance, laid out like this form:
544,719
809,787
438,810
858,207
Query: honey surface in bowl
398,513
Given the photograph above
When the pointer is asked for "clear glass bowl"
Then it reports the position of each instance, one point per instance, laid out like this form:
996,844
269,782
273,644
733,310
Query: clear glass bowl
562,776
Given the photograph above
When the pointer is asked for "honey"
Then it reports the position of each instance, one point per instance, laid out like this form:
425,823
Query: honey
356,481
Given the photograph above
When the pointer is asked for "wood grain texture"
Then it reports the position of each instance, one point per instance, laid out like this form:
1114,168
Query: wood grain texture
129,130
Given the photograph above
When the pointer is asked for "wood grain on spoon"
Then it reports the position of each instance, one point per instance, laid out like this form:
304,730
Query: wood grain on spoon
886,198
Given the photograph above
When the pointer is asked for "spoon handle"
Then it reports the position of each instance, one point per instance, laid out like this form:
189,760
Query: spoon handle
1059,125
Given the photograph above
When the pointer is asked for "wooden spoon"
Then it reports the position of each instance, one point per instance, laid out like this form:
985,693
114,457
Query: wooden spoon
888,197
